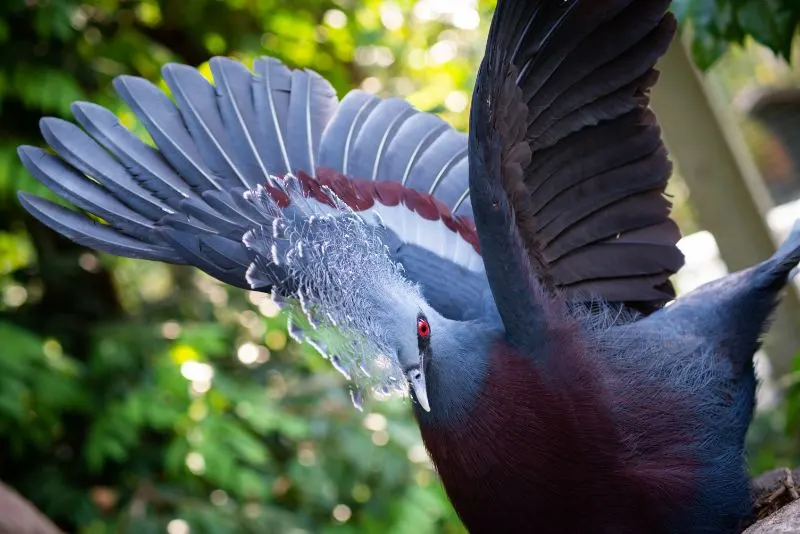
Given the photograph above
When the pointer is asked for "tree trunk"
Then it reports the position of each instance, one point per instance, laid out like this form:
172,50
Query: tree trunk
726,188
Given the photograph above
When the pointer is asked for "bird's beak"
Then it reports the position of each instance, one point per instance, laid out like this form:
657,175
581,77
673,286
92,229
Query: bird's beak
416,378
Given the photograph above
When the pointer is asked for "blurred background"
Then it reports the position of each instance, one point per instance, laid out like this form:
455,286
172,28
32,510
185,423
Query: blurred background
138,397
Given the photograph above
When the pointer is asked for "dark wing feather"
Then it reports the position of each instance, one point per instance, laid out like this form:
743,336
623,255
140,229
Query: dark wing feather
564,90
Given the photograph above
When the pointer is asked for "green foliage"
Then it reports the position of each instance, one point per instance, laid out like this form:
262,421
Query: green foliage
775,432
36,386
718,23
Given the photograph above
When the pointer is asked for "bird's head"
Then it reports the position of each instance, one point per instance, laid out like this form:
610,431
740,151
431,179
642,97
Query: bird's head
443,361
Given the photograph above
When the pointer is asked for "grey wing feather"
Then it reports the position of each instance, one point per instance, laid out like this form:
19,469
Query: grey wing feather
197,104
210,218
166,127
84,193
145,164
338,138
189,244
375,136
442,168
234,87
413,138
271,98
312,103
83,153
293,109
181,203
224,202
93,234
374,139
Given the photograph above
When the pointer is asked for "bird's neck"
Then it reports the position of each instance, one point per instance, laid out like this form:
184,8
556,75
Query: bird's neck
456,372
528,433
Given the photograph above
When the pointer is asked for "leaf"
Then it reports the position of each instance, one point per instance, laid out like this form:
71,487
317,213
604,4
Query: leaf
716,24
707,49
252,484
767,22
175,457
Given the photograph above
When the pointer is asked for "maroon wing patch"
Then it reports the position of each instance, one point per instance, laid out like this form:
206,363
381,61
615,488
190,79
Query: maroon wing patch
361,195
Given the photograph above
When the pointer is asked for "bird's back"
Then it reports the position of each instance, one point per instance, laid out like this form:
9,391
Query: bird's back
678,392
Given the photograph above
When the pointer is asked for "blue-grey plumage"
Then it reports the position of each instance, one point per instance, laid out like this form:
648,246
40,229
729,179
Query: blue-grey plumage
142,161
554,390
186,202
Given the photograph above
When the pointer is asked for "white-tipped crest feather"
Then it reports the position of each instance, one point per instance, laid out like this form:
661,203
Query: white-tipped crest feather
345,284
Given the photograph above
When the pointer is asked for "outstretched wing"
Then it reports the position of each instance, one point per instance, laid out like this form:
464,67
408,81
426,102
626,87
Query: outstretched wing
562,130
183,201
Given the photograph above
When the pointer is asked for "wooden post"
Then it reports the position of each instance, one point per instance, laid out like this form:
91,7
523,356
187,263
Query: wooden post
726,189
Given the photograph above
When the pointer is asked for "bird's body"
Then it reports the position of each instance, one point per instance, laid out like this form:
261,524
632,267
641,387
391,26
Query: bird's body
514,281
587,480
615,447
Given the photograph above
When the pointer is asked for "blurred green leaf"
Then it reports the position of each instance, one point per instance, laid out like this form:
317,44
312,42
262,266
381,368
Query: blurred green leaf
716,24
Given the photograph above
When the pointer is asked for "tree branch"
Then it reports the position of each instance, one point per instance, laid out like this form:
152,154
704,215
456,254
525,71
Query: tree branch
18,516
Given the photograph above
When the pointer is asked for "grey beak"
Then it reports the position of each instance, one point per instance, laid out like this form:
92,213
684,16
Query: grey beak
416,378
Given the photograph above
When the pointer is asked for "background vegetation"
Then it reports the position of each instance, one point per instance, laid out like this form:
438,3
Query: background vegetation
137,397
716,24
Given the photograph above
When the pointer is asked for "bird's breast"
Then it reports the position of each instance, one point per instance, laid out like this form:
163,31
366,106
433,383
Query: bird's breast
539,451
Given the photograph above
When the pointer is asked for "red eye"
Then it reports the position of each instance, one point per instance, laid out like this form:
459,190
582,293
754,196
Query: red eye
423,328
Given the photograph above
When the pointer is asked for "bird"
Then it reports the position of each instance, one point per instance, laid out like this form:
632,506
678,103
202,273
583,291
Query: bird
513,280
